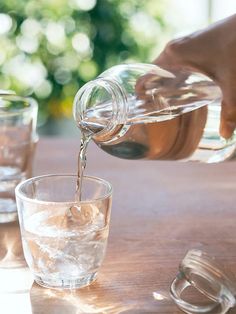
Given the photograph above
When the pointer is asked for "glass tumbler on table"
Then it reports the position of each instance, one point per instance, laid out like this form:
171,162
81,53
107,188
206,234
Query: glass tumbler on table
18,138
64,239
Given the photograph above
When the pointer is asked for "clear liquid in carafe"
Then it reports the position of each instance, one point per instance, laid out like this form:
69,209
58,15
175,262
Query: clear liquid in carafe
156,115
181,136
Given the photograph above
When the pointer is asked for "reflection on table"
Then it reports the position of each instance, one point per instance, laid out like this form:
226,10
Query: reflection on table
16,280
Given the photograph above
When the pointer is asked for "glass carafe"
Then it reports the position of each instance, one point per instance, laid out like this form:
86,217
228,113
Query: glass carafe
141,111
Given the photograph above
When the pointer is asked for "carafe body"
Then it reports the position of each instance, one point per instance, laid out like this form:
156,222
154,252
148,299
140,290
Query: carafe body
141,111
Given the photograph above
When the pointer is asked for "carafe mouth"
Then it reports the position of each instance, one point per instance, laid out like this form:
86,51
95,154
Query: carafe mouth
99,106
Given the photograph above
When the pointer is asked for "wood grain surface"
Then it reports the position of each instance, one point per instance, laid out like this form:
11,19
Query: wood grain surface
160,210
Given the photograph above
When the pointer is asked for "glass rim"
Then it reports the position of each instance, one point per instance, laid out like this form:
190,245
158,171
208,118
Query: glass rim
32,104
21,196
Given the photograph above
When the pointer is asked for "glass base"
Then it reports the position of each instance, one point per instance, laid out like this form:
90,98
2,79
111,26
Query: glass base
8,212
66,283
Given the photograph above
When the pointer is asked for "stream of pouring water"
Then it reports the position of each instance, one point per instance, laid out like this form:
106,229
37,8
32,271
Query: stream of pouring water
85,138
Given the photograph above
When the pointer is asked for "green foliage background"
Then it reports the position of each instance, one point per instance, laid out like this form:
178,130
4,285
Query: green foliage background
49,48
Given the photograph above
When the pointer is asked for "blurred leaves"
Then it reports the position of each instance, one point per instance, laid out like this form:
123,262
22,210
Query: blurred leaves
49,48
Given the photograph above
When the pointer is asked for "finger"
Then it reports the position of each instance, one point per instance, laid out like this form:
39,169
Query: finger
227,120
176,55
146,81
227,128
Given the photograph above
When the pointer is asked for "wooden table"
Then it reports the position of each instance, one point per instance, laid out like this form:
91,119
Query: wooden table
160,210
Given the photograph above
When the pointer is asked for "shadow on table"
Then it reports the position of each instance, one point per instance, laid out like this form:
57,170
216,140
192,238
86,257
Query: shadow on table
11,253
92,299
15,277
14,273
98,300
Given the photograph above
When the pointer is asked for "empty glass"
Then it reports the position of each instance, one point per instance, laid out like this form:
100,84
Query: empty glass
18,138
64,239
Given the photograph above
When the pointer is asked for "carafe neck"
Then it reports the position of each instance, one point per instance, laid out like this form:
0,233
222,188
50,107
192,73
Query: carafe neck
100,106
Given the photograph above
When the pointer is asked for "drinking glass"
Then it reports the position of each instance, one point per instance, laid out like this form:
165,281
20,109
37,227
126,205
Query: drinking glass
64,239
18,138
